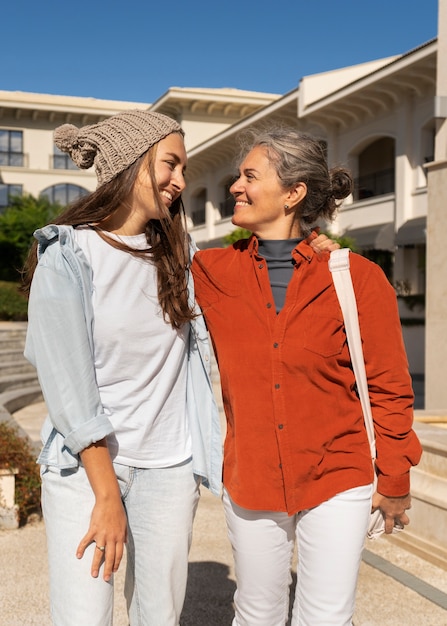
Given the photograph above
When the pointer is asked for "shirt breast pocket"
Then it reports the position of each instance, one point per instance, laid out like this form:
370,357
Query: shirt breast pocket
324,335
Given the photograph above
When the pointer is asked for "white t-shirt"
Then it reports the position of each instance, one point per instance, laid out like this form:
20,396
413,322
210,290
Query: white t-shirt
140,360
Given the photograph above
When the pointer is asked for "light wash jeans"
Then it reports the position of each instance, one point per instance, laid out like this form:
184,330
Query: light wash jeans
160,506
330,539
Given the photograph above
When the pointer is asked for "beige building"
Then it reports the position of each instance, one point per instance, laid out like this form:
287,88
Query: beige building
378,118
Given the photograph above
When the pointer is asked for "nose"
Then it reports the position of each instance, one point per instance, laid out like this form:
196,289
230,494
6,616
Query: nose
178,179
234,187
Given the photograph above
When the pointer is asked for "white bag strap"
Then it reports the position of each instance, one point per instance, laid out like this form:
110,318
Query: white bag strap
341,275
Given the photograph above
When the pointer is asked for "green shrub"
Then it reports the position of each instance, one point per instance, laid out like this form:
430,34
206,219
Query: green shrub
17,224
13,304
235,235
16,453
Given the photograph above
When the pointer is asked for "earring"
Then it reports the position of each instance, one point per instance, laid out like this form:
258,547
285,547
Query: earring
286,206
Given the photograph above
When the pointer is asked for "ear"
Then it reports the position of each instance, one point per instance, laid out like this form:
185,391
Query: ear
296,194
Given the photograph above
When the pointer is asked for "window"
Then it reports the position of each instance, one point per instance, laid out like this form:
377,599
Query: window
198,212
226,207
64,193
11,147
6,192
62,160
376,169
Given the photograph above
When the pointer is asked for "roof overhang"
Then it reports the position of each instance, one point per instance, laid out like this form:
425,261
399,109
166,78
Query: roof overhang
377,237
221,148
412,232
376,92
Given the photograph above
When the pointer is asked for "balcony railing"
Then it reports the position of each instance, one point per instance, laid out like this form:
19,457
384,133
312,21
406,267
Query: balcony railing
13,159
63,162
376,184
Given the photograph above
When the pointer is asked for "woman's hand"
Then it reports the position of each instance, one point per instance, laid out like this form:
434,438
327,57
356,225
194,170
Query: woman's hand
324,244
393,510
108,522
108,530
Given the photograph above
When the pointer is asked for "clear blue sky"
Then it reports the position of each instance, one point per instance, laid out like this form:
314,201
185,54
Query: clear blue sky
136,50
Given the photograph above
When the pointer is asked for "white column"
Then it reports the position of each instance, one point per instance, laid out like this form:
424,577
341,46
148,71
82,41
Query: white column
436,309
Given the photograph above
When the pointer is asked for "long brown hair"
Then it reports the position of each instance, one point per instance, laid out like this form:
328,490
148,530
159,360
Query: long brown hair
167,237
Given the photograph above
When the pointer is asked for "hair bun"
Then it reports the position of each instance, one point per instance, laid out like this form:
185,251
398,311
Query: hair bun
342,183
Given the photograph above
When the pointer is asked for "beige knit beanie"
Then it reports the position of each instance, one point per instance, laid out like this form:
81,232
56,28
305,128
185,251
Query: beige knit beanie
114,144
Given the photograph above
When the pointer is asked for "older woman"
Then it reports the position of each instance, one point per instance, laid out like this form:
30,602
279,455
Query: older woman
297,463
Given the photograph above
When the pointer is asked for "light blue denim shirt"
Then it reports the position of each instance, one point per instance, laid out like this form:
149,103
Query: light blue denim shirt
59,344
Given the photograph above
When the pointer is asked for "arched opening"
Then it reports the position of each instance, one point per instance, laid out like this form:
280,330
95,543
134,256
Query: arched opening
64,193
376,169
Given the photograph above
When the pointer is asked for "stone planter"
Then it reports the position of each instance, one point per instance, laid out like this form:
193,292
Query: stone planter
8,509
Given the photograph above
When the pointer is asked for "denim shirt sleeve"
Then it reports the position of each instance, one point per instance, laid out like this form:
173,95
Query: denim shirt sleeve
59,345
203,412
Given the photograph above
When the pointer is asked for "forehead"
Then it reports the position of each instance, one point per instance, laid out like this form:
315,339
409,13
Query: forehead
257,159
173,144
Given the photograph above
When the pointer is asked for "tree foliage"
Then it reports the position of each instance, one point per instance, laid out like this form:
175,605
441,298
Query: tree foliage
23,216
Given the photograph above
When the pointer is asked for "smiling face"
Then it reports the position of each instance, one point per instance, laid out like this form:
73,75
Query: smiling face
260,198
142,204
169,169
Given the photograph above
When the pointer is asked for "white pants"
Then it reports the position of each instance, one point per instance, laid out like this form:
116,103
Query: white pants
160,506
330,539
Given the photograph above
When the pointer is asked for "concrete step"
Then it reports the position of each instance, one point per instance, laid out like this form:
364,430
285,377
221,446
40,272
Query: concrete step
14,330
12,354
16,399
16,367
12,343
17,381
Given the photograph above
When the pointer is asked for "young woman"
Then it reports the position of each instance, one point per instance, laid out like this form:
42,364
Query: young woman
122,357
297,462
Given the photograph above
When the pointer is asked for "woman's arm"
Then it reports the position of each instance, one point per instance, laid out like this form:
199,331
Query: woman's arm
390,390
59,346
108,522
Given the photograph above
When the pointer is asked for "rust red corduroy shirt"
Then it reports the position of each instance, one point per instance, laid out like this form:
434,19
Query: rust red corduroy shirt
295,431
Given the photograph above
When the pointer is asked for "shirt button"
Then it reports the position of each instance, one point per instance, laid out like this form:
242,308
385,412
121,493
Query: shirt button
269,305
261,265
277,386
275,345
280,426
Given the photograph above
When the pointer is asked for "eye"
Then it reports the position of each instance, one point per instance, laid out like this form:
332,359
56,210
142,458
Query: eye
171,164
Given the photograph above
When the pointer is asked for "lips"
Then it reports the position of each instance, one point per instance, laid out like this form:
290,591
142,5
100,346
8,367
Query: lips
167,195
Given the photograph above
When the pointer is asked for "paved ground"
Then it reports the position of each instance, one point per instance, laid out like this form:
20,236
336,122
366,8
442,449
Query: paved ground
395,588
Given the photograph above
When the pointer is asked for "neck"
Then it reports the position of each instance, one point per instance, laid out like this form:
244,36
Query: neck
292,232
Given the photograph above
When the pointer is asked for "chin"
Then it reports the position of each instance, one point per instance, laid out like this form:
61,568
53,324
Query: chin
238,223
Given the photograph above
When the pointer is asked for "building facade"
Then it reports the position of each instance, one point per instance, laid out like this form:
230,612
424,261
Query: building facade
377,118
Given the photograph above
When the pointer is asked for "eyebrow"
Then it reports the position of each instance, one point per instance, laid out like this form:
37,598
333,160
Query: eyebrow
175,157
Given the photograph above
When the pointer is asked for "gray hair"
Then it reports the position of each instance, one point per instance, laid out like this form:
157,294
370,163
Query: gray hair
298,157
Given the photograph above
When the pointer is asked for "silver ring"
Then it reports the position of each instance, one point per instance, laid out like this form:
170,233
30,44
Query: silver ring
102,548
